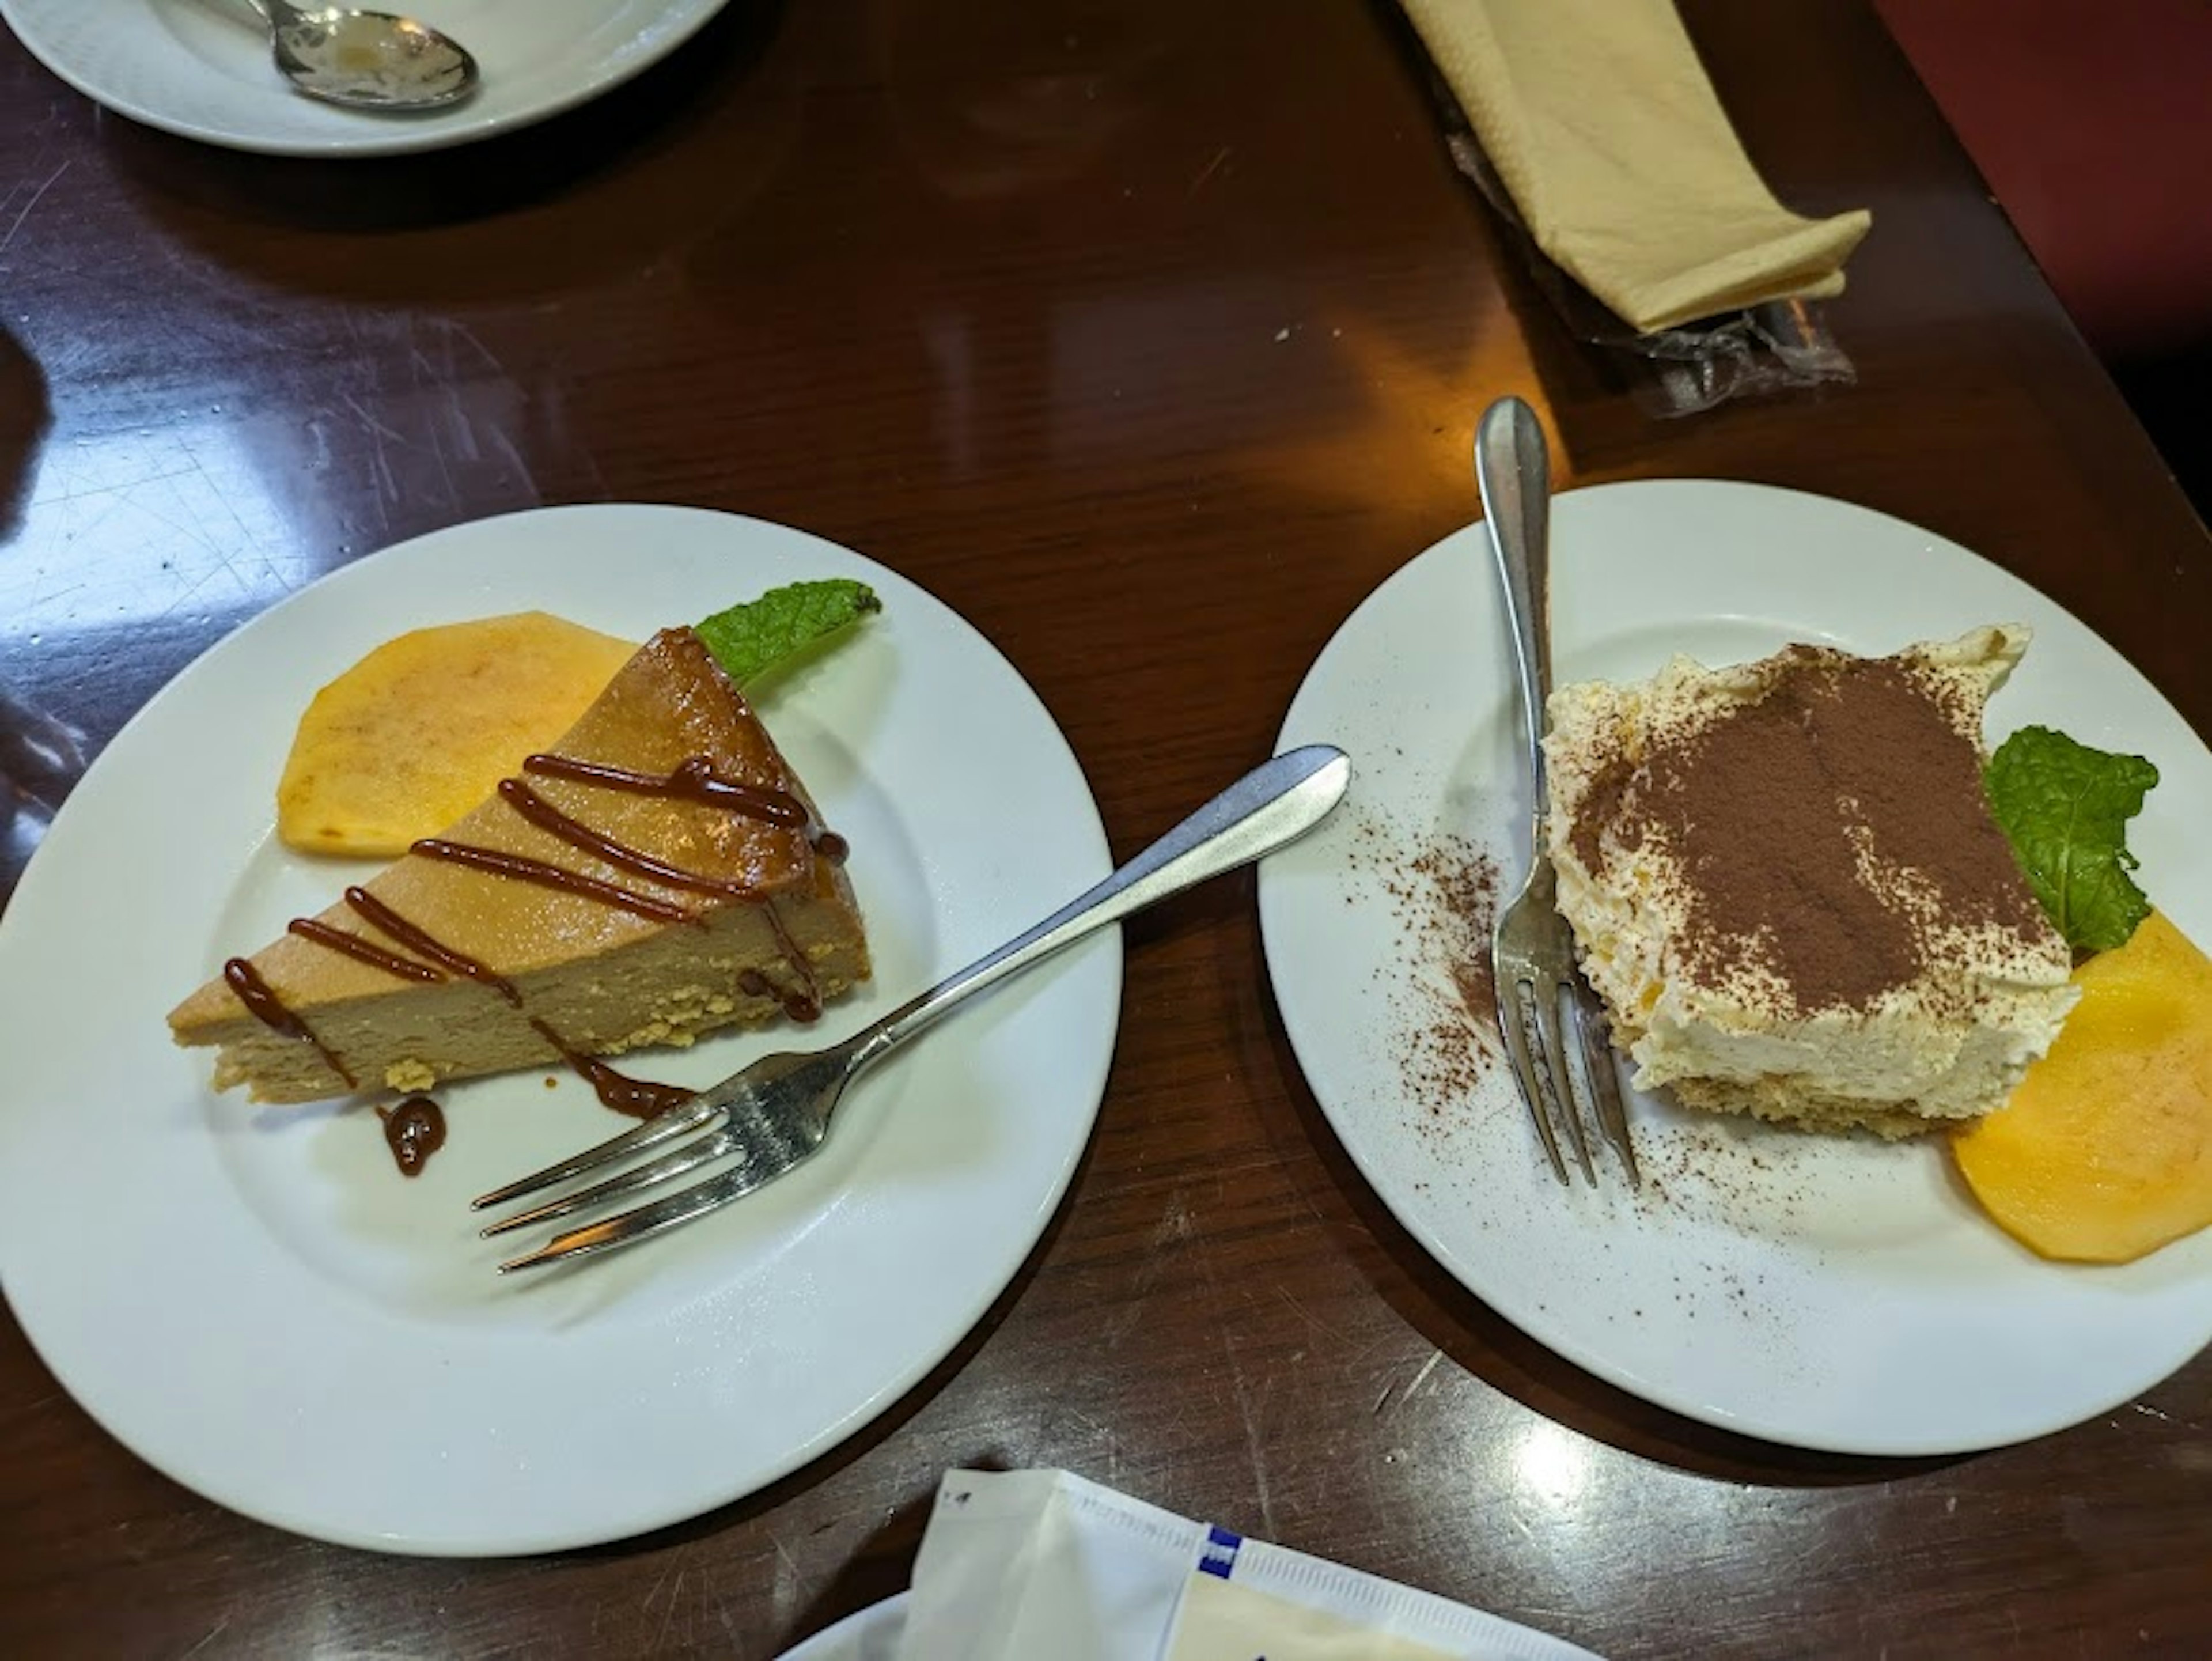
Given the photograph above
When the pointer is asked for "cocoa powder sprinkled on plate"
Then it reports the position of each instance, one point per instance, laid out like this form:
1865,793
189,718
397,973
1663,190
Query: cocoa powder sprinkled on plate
1443,893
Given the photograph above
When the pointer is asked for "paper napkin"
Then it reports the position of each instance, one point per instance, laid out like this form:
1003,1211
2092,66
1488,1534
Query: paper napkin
1021,1564
1598,120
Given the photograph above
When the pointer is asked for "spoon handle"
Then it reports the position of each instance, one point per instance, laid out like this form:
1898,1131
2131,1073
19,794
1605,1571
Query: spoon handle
1276,801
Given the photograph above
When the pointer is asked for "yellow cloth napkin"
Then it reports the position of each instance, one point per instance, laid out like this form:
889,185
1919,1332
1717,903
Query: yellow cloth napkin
1598,120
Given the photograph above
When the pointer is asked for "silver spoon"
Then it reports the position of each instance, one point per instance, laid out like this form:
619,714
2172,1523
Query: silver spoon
366,60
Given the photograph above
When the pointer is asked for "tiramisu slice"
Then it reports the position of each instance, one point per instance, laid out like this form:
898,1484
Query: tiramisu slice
1785,882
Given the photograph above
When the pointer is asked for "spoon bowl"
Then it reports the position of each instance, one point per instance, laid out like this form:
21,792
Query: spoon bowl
367,60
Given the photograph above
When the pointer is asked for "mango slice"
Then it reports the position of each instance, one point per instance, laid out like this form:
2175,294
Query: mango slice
2104,1152
424,727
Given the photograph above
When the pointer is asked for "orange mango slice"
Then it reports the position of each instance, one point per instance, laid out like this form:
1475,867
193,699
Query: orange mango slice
2104,1151
425,727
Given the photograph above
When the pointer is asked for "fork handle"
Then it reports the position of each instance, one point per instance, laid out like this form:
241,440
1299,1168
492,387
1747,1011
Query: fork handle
1512,468
1270,805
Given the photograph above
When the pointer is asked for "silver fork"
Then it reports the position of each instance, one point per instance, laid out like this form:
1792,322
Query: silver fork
774,1114
1533,951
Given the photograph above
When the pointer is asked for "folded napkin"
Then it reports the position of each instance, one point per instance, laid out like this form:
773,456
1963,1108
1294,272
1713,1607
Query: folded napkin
1017,1566
1598,120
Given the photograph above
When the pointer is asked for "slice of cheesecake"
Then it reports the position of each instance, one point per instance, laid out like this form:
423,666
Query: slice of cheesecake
659,874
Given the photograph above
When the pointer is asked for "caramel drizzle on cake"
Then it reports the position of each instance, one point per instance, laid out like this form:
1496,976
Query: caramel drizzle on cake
262,1002
695,779
545,874
337,939
547,817
425,944
803,1002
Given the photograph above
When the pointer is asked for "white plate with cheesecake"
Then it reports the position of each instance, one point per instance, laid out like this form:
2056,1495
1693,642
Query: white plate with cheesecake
1839,1292
256,1301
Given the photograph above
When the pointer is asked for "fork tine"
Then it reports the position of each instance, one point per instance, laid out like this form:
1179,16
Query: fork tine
1558,1066
676,1209
664,1127
689,1156
1512,1006
1593,1028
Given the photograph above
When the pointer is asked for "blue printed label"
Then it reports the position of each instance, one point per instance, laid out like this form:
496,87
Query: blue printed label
1219,1554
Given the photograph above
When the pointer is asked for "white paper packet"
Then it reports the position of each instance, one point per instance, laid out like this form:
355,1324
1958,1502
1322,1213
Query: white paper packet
1021,1564
1035,1563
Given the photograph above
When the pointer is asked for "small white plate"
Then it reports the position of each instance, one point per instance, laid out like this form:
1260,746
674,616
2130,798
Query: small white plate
257,1303
183,67
870,1635
1838,1293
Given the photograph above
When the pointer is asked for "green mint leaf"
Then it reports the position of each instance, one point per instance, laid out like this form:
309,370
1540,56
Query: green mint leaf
2066,807
750,640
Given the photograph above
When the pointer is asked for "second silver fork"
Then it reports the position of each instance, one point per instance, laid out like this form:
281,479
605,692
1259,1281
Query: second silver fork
775,1113
1532,949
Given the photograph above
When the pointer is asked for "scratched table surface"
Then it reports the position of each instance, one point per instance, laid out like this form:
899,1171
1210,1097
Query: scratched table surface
1151,336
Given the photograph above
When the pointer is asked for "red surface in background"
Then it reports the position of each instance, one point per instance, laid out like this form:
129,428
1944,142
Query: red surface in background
2092,124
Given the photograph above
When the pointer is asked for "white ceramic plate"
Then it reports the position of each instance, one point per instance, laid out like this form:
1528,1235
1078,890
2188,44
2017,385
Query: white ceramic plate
256,1302
1834,1294
872,1635
183,67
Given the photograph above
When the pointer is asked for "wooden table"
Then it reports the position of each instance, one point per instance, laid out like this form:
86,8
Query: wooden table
1150,337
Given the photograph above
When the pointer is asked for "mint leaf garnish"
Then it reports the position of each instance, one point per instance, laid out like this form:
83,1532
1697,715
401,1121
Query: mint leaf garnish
750,640
2066,807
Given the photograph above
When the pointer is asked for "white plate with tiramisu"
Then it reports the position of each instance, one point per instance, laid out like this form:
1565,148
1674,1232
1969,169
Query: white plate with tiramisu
1836,1288
256,1298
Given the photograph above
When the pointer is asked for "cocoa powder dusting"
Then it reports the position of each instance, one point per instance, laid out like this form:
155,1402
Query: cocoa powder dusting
1463,891
1779,810
1600,804
1453,907
1444,895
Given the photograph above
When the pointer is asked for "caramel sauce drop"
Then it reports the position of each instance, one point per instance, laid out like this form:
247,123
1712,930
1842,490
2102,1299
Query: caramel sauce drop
641,1098
414,1130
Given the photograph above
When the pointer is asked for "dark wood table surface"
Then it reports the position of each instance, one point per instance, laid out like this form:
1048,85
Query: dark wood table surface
995,291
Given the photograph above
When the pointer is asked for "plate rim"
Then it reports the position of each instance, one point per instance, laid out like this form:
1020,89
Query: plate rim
1273,905
1088,845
